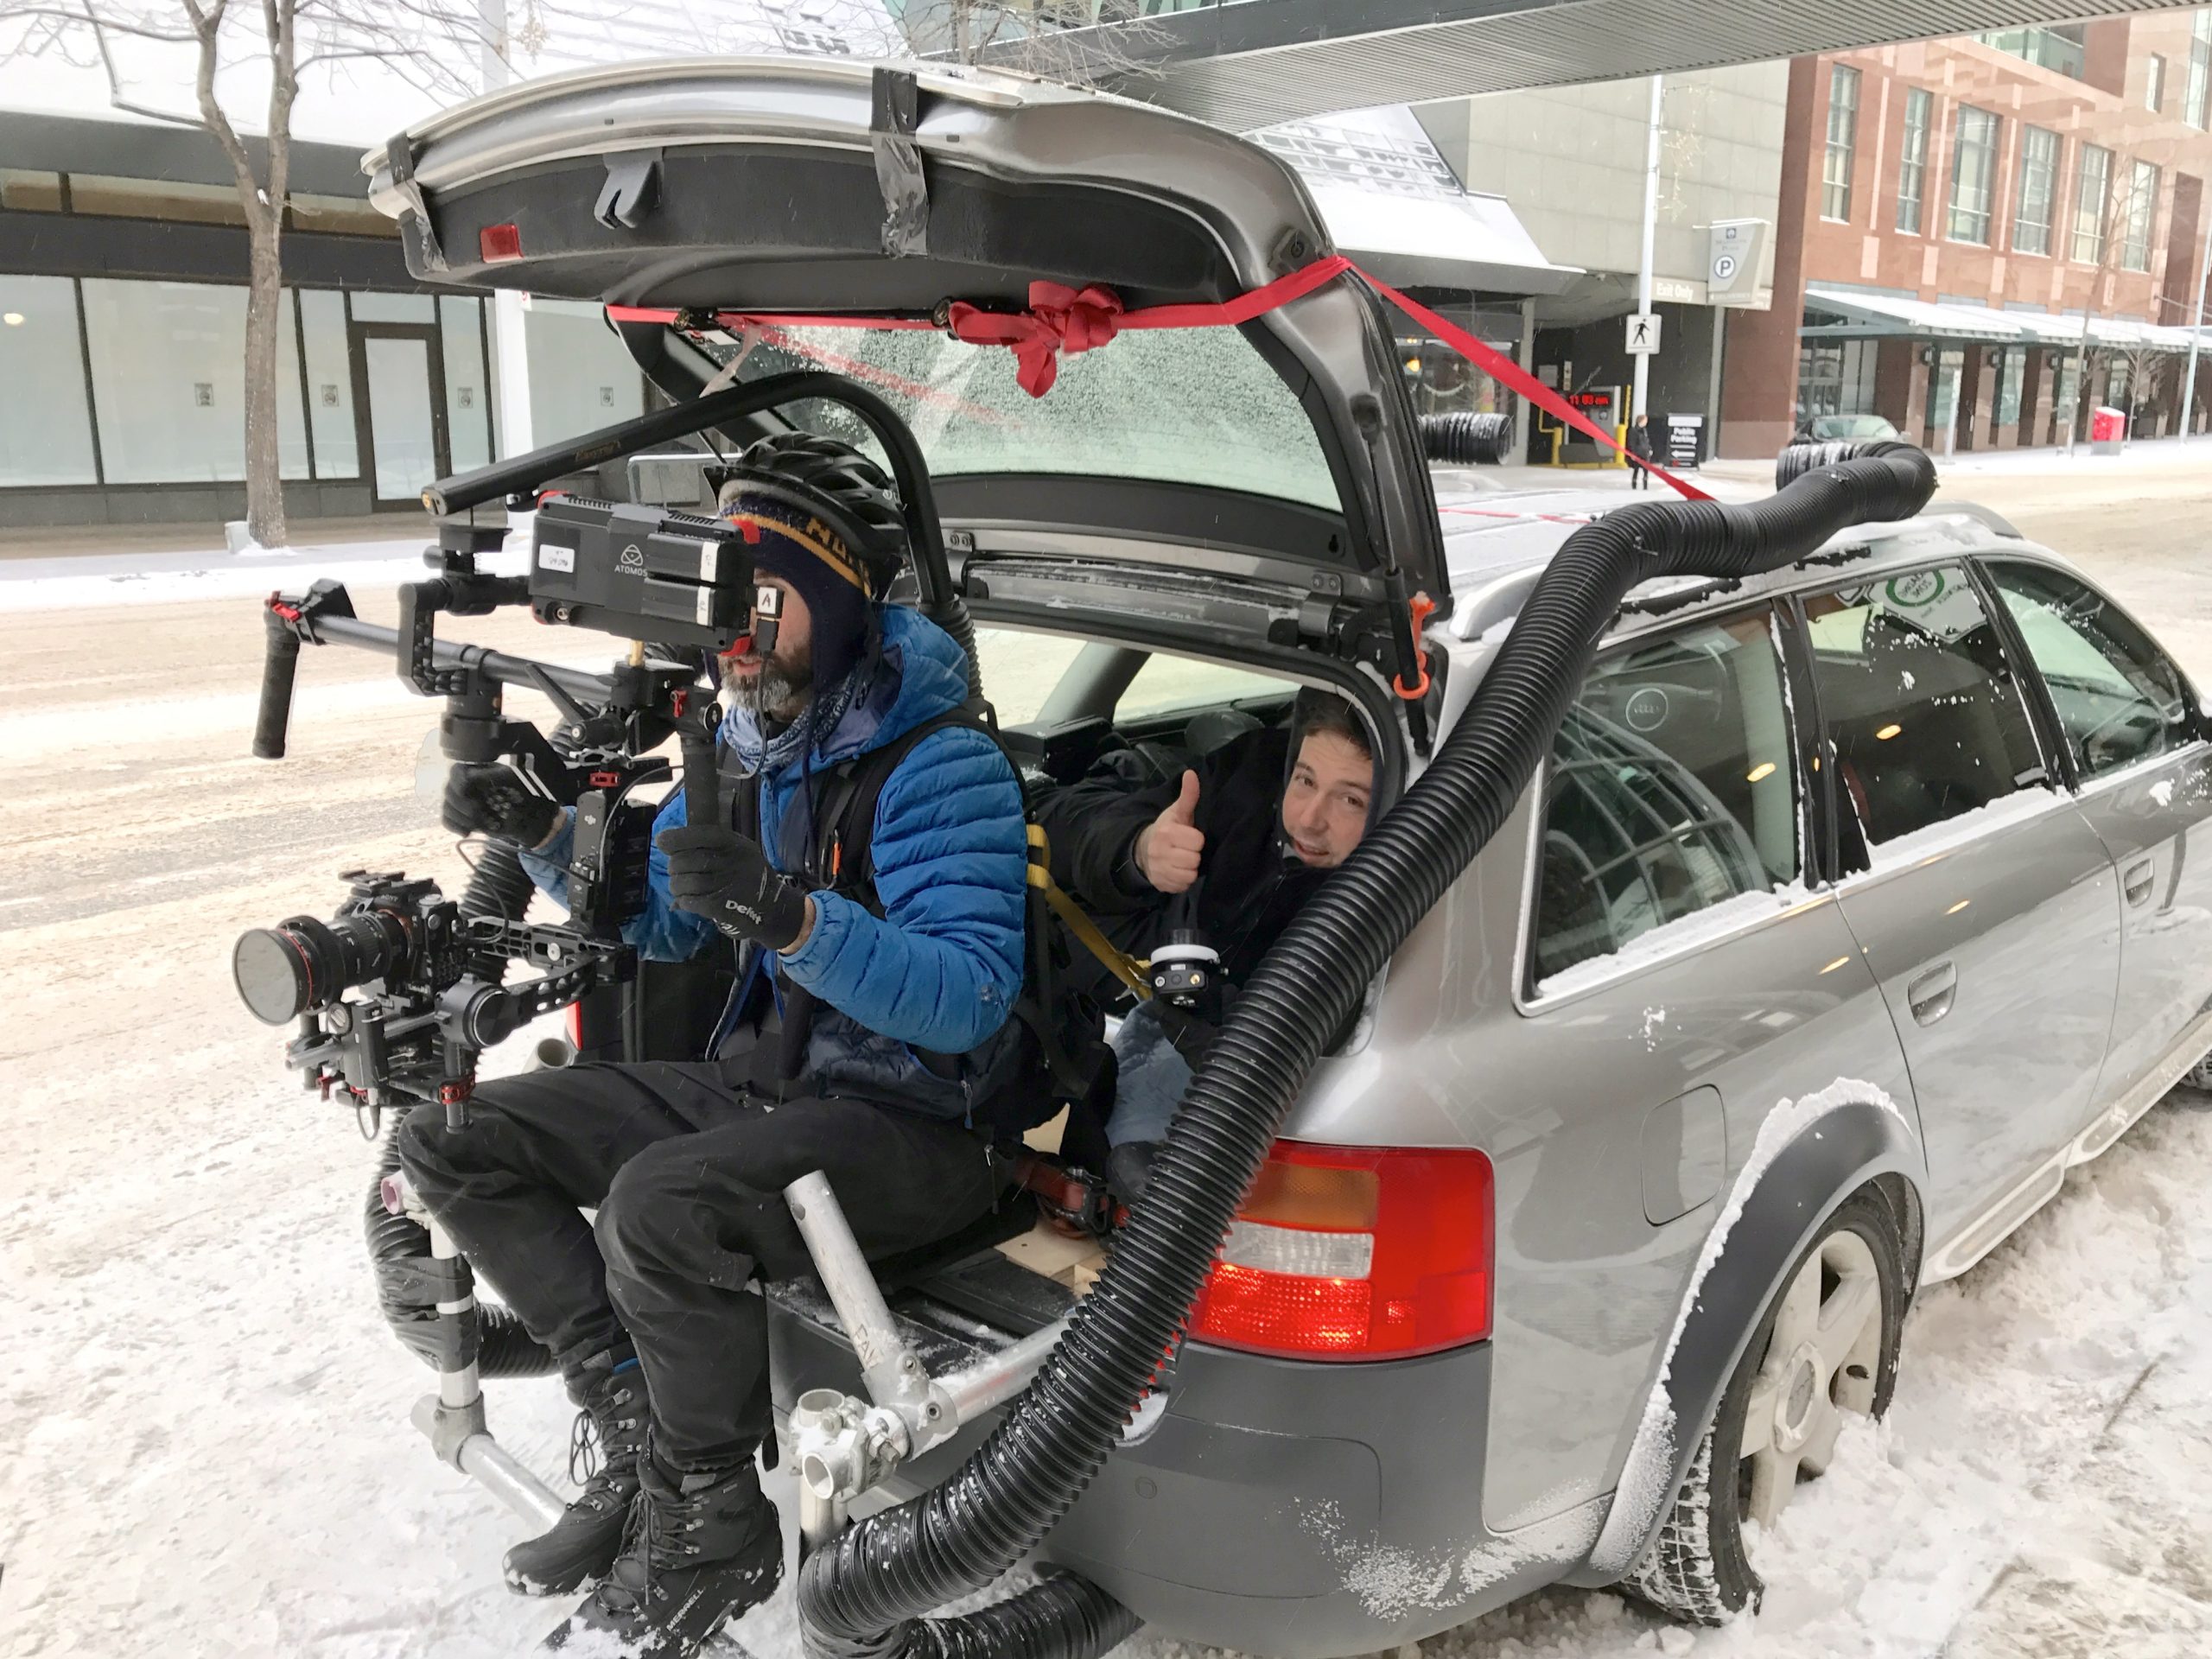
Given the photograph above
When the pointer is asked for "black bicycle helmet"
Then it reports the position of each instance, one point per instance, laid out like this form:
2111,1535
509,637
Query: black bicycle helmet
826,476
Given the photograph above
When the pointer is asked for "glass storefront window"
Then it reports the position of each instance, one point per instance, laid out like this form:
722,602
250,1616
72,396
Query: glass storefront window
394,308
468,389
2009,376
1836,377
168,381
330,384
580,376
46,432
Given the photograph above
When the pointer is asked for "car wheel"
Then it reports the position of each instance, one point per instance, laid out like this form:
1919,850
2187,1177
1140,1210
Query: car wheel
1827,1346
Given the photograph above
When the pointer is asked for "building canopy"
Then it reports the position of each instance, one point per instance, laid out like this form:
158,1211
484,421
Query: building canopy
1392,202
1862,313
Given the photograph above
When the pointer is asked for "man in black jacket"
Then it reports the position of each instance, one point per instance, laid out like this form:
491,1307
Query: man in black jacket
1232,847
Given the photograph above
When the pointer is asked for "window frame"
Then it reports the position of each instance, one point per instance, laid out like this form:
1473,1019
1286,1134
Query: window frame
1782,626
2141,226
2050,172
1839,157
2154,84
1912,159
2099,229
2197,95
1991,154
1847,855
2052,728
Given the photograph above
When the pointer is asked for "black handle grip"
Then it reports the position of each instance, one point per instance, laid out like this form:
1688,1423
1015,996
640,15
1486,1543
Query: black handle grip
701,778
275,718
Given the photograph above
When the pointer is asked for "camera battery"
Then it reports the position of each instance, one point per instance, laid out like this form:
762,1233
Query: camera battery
641,572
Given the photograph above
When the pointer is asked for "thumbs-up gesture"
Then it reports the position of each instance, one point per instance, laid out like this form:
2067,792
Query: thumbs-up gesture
1167,848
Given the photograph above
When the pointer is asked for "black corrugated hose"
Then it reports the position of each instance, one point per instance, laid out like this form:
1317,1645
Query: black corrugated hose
399,1249
865,1596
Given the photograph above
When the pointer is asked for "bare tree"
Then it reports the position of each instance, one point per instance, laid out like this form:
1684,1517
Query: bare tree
2127,194
433,43
1066,41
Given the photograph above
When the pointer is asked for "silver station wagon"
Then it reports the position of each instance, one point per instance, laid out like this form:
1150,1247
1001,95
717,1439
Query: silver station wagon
1851,903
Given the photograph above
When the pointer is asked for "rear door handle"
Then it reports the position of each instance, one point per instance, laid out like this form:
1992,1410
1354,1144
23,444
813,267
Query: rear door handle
1930,996
2138,878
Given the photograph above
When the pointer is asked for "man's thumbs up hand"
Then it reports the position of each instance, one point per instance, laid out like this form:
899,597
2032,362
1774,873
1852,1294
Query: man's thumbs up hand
1167,848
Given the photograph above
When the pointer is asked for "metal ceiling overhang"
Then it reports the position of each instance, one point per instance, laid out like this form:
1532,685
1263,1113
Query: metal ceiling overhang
1254,63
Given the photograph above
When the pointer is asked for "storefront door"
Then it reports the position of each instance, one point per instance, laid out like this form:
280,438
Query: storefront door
399,386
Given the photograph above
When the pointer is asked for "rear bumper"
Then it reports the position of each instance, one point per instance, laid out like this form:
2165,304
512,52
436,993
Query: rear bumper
1304,1510
1299,1509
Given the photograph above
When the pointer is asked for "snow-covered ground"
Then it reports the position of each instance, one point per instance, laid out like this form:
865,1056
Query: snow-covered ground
203,1439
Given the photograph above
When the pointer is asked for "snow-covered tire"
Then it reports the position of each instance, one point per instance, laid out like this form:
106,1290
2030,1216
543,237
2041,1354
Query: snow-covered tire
1697,1569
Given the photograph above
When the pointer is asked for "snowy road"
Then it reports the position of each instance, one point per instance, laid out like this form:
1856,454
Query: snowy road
203,1444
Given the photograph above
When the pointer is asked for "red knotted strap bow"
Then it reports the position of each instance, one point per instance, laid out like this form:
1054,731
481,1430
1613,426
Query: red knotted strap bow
1065,319
1059,319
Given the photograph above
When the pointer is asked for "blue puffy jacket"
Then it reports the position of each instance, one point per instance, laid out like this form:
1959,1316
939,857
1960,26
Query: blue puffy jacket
941,968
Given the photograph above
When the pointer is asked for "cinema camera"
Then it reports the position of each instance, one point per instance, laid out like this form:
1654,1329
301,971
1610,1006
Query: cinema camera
397,997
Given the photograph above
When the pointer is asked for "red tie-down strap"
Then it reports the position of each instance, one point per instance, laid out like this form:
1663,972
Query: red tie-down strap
1063,321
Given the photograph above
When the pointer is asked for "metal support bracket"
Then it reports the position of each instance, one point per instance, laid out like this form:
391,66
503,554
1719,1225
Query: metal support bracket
400,153
632,190
895,114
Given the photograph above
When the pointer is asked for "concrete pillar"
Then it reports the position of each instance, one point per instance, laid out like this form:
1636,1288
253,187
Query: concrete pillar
1893,363
1974,402
2035,398
1915,424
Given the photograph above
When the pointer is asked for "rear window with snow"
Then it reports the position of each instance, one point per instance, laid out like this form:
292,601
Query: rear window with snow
1672,790
1181,405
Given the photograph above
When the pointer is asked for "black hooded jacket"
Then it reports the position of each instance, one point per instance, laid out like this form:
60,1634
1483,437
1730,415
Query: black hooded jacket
1250,883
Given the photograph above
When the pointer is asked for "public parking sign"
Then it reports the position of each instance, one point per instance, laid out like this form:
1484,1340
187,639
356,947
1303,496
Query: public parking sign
1643,334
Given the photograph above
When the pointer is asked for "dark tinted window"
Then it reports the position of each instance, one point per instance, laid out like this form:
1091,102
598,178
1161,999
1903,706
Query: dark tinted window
1671,788
2119,699
1926,713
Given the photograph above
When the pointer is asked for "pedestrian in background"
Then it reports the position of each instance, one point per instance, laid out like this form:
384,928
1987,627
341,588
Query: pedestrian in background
1639,445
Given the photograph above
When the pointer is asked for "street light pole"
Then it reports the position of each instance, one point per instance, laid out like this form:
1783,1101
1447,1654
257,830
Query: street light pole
1643,366
2196,325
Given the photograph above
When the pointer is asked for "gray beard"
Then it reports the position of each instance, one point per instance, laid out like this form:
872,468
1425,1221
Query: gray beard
776,693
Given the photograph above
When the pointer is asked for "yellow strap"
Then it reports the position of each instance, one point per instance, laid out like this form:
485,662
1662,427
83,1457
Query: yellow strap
1117,962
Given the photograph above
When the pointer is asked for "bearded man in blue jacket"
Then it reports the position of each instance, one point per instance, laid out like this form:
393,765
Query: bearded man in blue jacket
860,1044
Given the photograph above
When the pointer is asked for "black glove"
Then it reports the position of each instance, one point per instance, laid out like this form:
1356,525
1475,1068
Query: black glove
491,800
725,877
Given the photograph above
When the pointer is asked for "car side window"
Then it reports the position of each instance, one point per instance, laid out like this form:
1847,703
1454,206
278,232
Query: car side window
1926,713
1671,789
2119,698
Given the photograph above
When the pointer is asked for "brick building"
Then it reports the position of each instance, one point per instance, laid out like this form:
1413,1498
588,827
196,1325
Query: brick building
1949,208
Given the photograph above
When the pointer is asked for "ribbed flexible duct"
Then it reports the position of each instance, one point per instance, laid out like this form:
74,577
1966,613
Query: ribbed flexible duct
861,1597
399,1249
1464,439
399,1255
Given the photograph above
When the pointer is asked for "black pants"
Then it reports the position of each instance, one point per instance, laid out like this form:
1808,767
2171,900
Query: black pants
686,1167
1639,479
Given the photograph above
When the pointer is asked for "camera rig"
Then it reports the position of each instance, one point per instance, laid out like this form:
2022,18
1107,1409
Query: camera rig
398,995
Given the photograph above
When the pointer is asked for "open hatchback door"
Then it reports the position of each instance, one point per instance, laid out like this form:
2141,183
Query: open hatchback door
1251,477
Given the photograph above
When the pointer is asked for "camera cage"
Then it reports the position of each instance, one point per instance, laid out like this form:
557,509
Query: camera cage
599,754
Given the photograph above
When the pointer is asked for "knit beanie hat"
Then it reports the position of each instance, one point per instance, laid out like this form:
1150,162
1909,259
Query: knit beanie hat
820,517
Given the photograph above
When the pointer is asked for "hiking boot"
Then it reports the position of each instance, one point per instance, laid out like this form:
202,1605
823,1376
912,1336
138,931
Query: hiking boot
585,1541
704,1547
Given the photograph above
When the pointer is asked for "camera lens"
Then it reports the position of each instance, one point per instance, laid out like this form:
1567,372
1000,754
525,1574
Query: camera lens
273,974
302,963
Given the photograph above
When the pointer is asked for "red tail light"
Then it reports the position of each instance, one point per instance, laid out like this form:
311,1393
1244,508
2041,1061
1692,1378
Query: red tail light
500,244
576,1027
1354,1253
